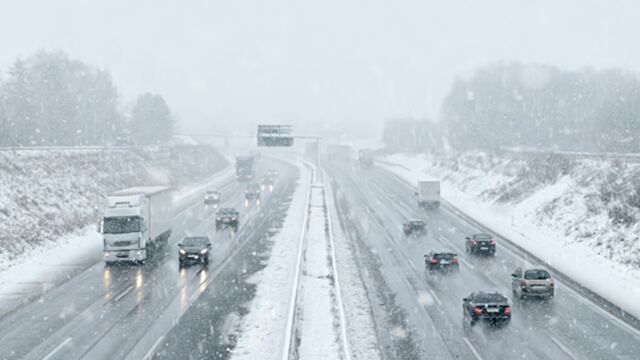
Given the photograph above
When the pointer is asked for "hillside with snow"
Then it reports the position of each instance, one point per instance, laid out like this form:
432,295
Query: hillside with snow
47,194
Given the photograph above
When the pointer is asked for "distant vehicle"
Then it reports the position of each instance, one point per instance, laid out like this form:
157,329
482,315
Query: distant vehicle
252,191
365,158
194,249
341,153
135,221
267,183
414,228
273,173
227,217
428,194
442,261
532,283
493,308
212,197
245,167
480,244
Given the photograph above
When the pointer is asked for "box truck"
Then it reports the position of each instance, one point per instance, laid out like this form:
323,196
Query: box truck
136,220
428,194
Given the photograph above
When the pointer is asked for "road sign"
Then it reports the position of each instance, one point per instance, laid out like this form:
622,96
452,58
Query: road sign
275,135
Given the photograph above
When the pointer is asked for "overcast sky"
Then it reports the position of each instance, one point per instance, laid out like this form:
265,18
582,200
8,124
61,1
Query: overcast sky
329,63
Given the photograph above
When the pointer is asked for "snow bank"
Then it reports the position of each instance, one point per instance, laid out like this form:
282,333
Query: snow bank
262,329
578,216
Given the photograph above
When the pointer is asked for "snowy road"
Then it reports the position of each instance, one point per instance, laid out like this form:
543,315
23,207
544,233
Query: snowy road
375,203
154,310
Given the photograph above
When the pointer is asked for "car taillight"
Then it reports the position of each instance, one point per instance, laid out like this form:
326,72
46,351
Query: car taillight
493,242
507,310
434,261
456,261
474,242
523,283
477,310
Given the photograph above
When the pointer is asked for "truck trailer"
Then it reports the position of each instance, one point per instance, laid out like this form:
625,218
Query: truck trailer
428,194
135,221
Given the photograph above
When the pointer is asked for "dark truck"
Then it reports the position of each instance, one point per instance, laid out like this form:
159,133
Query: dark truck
492,308
245,167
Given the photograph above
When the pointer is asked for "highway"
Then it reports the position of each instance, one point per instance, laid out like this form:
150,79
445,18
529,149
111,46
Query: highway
156,310
159,311
425,316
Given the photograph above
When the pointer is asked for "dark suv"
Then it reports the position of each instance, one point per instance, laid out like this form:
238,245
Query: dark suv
480,244
493,308
441,261
227,217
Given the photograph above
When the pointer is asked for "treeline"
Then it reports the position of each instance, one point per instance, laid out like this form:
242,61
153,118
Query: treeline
49,99
411,135
515,105
541,106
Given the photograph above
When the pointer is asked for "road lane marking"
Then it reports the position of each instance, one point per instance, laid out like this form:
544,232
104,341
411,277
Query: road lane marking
563,348
57,348
125,292
466,263
472,348
149,353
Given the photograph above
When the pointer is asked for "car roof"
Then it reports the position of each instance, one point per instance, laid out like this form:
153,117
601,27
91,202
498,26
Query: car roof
417,221
224,210
443,253
488,297
199,238
482,235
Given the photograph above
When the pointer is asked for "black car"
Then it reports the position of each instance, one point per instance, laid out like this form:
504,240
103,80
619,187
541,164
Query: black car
441,261
194,249
481,244
492,308
414,228
227,217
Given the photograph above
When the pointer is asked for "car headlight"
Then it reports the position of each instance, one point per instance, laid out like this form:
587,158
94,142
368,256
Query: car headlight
218,218
182,252
204,251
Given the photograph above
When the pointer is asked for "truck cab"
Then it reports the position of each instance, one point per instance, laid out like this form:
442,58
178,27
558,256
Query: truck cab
134,220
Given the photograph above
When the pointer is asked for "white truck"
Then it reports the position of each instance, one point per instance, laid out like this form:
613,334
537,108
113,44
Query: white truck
135,221
428,194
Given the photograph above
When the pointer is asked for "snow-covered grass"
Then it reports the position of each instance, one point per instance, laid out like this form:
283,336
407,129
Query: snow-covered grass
318,323
581,217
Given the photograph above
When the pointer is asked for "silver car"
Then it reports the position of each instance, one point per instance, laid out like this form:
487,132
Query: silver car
532,283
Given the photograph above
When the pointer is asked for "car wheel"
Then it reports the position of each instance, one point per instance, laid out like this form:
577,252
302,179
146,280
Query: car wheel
206,260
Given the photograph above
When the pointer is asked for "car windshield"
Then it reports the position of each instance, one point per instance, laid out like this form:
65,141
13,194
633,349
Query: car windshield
195,241
441,256
488,298
121,225
482,237
227,211
536,275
